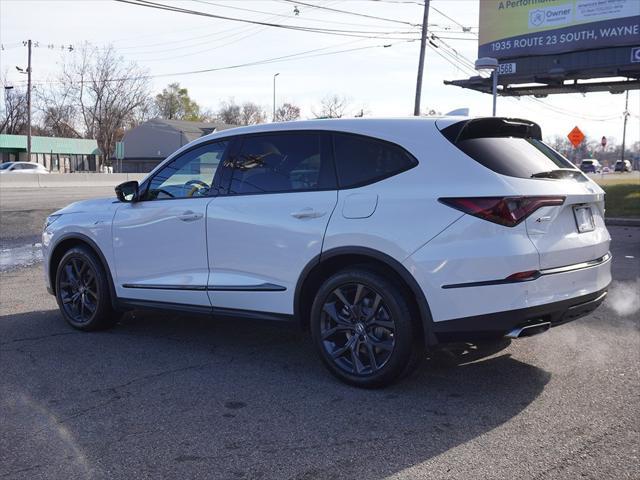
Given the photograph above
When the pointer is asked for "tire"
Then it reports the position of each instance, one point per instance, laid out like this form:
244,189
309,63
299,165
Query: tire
362,328
82,291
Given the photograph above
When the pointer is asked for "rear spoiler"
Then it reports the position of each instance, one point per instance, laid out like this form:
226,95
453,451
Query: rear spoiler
492,127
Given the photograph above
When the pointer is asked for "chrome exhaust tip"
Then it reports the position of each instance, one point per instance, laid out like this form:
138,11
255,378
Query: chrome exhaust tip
529,330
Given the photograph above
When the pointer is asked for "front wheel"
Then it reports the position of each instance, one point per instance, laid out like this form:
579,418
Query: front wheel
362,328
82,291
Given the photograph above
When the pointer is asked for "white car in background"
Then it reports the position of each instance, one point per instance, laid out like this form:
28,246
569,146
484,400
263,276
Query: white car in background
23,167
383,237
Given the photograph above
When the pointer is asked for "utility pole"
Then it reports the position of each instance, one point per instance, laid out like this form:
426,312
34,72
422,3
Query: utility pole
29,104
423,47
624,128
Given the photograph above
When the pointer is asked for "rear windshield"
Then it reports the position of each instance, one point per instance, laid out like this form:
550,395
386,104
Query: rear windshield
509,151
587,162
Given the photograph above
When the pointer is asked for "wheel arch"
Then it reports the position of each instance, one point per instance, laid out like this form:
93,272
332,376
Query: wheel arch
69,241
331,261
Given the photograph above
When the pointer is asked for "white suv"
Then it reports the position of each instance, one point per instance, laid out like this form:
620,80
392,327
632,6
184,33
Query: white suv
382,237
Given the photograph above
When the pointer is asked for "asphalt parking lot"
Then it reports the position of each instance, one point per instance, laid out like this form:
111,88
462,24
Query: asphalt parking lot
169,396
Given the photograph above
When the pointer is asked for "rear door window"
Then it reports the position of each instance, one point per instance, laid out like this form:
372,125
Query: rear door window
363,160
282,162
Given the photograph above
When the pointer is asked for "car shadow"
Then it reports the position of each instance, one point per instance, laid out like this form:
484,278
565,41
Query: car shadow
165,395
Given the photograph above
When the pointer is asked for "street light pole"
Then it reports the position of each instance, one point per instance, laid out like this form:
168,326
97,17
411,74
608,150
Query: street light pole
29,104
488,63
273,119
494,89
624,128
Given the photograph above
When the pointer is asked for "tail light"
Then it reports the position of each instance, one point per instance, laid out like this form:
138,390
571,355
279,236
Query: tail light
507,211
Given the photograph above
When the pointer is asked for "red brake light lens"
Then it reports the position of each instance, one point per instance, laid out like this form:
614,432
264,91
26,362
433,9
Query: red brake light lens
507,211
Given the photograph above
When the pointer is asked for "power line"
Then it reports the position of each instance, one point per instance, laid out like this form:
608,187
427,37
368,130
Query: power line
239,40
243,32
239,30
414,2
465,28
347,12
326,31
236,29
297,16
284,58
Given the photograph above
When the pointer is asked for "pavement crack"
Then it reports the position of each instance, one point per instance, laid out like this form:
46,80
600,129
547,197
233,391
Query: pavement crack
152,376
22,470
33,339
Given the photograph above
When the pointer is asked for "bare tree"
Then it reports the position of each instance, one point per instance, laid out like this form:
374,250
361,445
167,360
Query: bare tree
229,113
13,117
252,114
208,115
560,144
248,114
58,111
332,106
144,112
107,92
287,112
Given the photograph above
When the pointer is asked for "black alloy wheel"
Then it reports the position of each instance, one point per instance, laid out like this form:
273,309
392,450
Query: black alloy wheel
82,291
357,329
78,290
363,329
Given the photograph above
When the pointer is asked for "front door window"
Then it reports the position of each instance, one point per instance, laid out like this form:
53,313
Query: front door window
188,176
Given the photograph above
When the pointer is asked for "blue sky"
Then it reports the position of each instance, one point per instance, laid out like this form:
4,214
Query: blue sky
379,80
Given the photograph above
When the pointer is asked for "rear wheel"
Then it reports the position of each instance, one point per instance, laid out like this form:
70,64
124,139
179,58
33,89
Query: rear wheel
82,291
362,327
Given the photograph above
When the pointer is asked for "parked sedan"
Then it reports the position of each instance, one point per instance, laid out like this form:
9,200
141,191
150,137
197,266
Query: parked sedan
22,167
353,230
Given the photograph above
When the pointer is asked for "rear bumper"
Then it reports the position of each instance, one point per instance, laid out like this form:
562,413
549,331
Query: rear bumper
495,325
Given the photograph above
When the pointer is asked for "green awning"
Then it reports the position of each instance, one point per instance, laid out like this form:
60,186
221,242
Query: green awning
71,146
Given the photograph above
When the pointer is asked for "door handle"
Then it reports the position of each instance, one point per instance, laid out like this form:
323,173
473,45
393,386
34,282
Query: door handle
189,216
307,213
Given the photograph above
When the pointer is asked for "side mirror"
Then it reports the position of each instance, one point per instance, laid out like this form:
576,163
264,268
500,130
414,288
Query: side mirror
127,191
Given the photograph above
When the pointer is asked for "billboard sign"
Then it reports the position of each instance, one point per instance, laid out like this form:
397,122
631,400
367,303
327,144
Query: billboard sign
519,28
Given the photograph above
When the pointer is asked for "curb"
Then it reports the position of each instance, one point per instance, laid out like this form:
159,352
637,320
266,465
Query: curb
622,222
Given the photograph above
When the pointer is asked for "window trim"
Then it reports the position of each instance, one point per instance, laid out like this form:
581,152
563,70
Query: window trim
235,144
144,187
379,178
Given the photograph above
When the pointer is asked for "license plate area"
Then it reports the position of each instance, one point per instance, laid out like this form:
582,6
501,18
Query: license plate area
584,219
